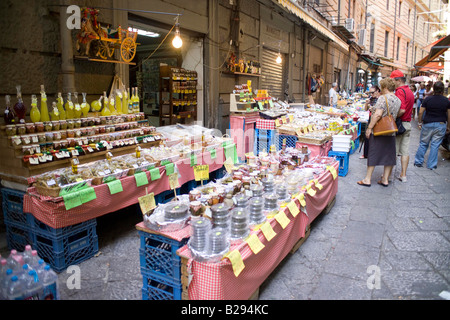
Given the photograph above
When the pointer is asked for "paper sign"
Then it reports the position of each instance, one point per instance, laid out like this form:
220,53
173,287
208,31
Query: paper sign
115,186
254,243
310,191
271,104
147,203
318,185
291,118
260,105
231,152
229,165
332,171
72,200
193,160
141,179
282,219
173,181
236,261
267,230
301,198
155,174
292,206
87,195
277,122
201,172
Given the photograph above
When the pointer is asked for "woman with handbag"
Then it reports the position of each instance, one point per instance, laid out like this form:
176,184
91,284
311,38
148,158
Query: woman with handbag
382,141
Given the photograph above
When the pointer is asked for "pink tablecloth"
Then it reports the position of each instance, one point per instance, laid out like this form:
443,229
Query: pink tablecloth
217,281
53,213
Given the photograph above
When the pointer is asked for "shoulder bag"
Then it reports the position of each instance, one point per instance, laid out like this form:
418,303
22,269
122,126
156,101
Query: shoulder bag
386,125
398,122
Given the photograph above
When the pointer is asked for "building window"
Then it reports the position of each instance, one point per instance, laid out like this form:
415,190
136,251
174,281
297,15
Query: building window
386,43
372,37
387,4
398,48
399,8
407,51
409,15
415,54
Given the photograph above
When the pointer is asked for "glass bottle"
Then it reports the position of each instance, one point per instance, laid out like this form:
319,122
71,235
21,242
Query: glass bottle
130,100
105,111
136,104
44,108
69,107
54,114
111,104
125,102
85,107
97,104
9,115
19,108
60,106
118,101
35,114
77,108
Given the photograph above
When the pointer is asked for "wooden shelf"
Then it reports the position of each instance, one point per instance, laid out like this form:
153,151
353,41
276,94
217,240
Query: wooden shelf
241,74
103,60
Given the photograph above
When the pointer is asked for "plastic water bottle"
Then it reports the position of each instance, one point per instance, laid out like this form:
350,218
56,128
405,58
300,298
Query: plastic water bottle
27,254
12,263
15,289
5,279
39,267
33,287
49,280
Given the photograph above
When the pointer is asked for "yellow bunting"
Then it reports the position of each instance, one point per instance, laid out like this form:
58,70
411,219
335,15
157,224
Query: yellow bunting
292,206
236,261
254,243
332,171
282,219
267,230
318,185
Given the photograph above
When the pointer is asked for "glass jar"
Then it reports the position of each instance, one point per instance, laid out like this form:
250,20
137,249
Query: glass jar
63,134
84,122
97,121
70,133
64,144
56,135
25,139
194,195
70,124
48,126
102,120
30,128
39,127
11,130
63,124
41,137
102,129
71,142
49,136
21,129
56,125
56,145
91,121
77,123
26,150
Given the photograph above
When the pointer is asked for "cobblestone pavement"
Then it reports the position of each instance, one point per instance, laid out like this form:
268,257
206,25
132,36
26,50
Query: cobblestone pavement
398,236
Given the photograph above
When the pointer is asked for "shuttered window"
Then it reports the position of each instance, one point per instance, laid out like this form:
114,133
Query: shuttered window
272,74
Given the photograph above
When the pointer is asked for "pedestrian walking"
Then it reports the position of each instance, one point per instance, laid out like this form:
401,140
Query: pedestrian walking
446,88
374,94
421,95
434,125
416,94
404,93
429,89
333,95
381,148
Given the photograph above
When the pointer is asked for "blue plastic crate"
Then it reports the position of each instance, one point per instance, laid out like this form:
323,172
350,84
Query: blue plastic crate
42,229
343,158
74,247
166,196
12,205
263,140
290,141
160,288
18,236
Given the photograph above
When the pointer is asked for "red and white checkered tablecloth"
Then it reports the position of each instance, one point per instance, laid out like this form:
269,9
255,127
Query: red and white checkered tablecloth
177,235
52,211
217,281
264,124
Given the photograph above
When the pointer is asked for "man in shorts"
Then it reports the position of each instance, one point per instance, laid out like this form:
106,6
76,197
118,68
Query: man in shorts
406,96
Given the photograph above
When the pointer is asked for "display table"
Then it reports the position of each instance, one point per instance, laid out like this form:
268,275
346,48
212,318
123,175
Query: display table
227,281
242,130
52,211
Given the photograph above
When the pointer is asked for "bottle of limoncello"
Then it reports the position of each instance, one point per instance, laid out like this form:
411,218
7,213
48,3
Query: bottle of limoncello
130,100
54,114
97,104
105,111
125,102
69,107
60,106
35,114
85,107
118,101
137,101
112,104
77,108
44,108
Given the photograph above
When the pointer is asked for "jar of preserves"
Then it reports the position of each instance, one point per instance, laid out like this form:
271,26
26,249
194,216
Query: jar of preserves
71,142
56,135
70,124
56,125
70,133
11,130
63,124
64,144
49,136
39,127
48,126
77,123
63,134
41,137
21,129
30,128
103,120
97,121
25,140
26,150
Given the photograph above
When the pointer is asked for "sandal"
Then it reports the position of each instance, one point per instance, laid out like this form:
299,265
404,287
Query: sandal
382,184
361,183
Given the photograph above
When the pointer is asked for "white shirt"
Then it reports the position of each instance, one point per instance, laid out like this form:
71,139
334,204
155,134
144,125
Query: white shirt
333,96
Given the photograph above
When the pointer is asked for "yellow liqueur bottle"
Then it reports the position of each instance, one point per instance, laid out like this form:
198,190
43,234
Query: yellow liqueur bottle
77,107
130,101
60,106
125,102
97,104
105,111
69,107
35,114
85,107
44,108
118,101
54,114
112,104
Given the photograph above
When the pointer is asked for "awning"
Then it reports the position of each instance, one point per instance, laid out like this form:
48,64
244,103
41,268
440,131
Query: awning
439,48
371,61
428,66
303,15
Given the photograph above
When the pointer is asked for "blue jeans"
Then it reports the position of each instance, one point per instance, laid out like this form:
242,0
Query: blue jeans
431,135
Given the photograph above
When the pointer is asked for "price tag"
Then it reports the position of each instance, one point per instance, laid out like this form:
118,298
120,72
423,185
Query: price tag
332,171
155,174
141,179
173,181
236,261
34,160
292,206
277,122
301,198
254,243
87,195
228,164
147,203
51,183
282,219
115,186
201,172
318,185
310,191
267,230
